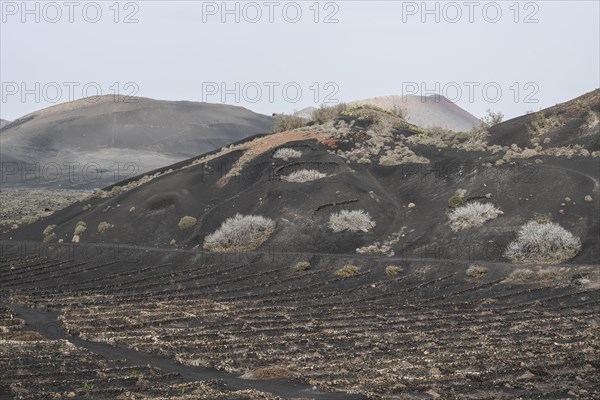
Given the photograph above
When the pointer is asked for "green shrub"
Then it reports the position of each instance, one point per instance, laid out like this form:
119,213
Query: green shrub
398,111
457,198
49,229
492,118
482,130
187,222
325,114
393,270
543,124
50,237
80,227
103,226
476,271
29,219
301,266
285,123
347,271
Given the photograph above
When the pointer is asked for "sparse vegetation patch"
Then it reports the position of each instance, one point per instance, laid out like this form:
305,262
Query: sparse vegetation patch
304,175
241,232
103,226
543,124
49,238
476,271
457,199
353,221
20,207
347,271
325,114
301,266
269,373
385,247
49,229
401,155
187,222
472,214
543,242
542,218
393,270
80,227
521,275
285,123
286,153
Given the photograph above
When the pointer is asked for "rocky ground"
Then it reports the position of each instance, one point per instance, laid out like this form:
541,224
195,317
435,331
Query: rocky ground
433,330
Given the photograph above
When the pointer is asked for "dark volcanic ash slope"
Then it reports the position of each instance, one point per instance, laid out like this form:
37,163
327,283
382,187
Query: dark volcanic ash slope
574,123
397,173
119,139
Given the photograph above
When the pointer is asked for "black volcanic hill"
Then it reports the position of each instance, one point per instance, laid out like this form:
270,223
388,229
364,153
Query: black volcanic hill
119,139
403,176
575,122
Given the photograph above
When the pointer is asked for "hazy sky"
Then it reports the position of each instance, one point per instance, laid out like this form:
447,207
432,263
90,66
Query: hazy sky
283,56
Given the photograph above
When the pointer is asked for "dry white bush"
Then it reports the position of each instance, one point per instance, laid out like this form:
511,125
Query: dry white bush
286,153
304,175
385,247
241,232
472,214
353,221
543,242
376,248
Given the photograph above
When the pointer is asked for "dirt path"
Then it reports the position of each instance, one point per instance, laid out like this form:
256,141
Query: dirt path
6,246
592,178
